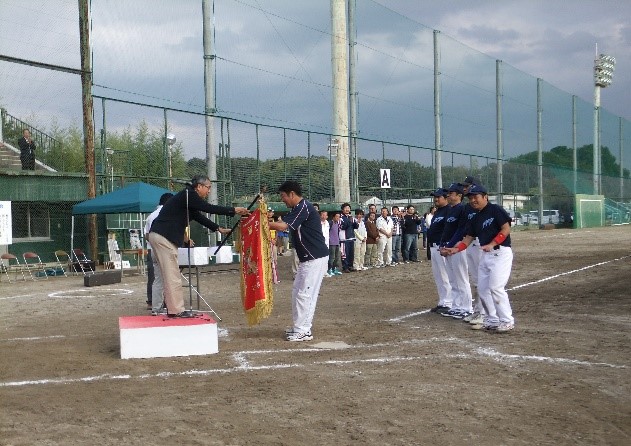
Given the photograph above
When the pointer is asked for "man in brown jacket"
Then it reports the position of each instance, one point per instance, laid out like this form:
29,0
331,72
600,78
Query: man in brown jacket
372,232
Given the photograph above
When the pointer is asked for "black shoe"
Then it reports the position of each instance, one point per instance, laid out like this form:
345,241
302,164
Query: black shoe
183,314
440,309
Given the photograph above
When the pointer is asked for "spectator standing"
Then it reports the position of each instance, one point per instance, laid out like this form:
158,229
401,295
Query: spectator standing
324,223
27,150
335,260
396,234
372,236
428,223
384,243
410,235
348,226
360,241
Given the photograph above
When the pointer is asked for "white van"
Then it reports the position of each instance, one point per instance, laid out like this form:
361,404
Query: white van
552,216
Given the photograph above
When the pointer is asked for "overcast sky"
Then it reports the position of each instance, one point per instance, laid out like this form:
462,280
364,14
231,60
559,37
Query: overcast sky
274,66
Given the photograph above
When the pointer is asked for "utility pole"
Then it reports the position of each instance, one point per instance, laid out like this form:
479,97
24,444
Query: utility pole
88,124
437,138
210,105
340,99
352,89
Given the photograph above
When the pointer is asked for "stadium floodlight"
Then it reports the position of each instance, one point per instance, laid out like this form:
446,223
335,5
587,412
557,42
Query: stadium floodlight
603,70
604,66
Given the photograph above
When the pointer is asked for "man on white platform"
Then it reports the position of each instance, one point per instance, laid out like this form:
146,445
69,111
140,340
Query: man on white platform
385,225
155,297
304,224
491,226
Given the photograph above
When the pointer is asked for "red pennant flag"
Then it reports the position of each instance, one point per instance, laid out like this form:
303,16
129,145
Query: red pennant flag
256,266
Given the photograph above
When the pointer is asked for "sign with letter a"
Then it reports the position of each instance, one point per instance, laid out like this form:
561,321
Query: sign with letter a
384,178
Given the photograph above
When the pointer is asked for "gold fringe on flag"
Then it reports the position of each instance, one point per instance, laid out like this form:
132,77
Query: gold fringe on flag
254,245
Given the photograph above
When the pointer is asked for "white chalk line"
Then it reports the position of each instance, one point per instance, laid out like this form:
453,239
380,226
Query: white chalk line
545,279
33,338
70,294
245,366
17,297
406,316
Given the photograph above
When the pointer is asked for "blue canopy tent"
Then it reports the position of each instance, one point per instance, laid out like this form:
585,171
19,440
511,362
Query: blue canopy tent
138,198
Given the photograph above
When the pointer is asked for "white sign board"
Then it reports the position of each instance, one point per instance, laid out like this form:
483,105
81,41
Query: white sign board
384,178
6,229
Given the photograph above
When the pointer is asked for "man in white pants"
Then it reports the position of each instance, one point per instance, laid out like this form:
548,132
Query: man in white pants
154,276
439,264
473,258
462,304
385,226
491,226
303,221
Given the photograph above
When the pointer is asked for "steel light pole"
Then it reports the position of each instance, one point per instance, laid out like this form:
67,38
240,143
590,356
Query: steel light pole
171,139
603,73
110,166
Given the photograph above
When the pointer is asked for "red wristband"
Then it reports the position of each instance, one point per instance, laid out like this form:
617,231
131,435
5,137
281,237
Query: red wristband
499,238
461,246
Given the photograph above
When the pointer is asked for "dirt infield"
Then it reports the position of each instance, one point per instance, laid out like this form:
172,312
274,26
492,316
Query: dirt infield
380,371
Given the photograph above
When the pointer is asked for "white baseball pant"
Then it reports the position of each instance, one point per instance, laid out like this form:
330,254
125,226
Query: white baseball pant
439,270
493,274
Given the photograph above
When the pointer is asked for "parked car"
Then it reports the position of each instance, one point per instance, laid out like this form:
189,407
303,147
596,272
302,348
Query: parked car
551,216
532,218
515,217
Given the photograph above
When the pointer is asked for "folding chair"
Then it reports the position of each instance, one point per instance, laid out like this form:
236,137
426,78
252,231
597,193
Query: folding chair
82,262
35,266
63,258
8,267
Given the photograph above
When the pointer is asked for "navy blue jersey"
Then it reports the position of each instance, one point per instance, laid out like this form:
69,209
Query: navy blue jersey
470,212
487,224
455,224
435,231
306,231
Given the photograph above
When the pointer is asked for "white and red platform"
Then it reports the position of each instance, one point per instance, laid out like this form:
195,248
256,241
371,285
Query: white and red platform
161,336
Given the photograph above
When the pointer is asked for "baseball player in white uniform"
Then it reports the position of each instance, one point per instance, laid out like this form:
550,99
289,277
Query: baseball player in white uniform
473,258
439,264
454,231
491,226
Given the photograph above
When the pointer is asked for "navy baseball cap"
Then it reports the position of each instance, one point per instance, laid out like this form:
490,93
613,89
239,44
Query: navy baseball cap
468,181
476,189
440,192
455,187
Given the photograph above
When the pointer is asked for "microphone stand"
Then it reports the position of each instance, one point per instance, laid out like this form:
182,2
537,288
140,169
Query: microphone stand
188,279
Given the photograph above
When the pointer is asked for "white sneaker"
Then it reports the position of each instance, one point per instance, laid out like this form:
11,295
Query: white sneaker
504,327
299,337
476,319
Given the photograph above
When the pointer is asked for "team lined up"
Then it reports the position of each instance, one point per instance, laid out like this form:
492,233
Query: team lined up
471,240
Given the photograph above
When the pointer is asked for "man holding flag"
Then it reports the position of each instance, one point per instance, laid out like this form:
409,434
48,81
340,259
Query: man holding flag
303,221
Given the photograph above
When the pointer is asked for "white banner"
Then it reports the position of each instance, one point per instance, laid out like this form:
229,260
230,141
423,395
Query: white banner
6,229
